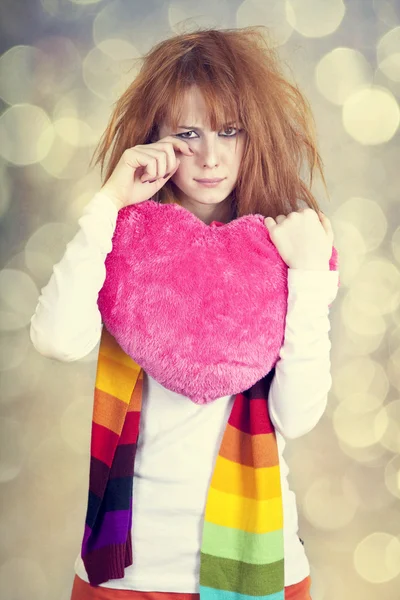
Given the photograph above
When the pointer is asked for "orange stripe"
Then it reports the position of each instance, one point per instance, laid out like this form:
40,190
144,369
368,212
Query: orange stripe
108,411
84,591
136,398
250,450
299,591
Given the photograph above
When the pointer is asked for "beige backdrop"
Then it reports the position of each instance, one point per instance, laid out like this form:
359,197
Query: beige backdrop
63,63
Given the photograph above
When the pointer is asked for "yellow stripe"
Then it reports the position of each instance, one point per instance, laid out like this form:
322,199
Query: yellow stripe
254,516
116,379
110,348
260,483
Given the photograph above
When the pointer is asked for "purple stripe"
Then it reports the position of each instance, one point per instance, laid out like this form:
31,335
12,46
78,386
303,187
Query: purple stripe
114,530
86,536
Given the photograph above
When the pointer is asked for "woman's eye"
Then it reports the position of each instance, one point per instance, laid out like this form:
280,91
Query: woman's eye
185,134
235,128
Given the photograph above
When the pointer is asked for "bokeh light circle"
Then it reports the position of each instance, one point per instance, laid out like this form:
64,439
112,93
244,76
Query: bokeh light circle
212,14
330,503
358,377
357,429
26,134
132,22
45,248
14,348
5,189
342,72
377,557
11,451
18,77
371,115
392,476
65,10
108,68
388,419
313,18
270,13
393,370
396,244
376,288
75,430
368,218
388,54
75,131
351,244
371,488
364,329
18,299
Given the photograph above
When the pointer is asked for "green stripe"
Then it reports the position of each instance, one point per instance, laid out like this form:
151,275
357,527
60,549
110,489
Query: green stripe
242,578
236,544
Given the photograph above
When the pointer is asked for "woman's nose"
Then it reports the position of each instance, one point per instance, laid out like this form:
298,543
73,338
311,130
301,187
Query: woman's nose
209,152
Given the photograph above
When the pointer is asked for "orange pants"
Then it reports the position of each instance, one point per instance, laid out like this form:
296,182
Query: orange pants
83,591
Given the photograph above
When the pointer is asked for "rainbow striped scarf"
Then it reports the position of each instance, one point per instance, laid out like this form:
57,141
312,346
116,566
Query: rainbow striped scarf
242,544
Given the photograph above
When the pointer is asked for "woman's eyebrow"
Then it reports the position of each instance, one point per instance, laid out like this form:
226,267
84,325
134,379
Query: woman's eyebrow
197,127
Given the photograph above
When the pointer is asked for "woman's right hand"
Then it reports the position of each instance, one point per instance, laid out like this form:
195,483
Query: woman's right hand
143,170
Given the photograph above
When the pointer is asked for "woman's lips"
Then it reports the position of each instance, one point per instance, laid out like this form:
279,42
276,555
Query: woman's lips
209,182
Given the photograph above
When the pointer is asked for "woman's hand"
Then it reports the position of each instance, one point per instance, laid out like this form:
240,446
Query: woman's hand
143,170
304,238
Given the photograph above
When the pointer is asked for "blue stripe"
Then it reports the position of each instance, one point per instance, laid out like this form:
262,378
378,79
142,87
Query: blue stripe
207,593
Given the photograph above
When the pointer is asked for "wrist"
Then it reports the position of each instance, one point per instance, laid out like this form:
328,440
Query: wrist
112,197
311,267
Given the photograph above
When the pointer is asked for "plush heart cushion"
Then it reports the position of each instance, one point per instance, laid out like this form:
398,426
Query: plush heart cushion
201,308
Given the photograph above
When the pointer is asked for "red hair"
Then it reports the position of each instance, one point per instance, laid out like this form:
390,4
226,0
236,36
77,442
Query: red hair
240,76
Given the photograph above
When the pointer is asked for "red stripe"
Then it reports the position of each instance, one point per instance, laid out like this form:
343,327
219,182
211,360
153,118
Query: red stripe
130,431
103,444
251,416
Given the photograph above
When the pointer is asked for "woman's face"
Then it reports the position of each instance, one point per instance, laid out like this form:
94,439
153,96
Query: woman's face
217,154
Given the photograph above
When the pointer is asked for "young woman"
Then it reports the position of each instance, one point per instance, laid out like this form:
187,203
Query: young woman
212,124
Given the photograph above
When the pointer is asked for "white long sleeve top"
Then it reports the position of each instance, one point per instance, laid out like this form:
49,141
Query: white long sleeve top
168,505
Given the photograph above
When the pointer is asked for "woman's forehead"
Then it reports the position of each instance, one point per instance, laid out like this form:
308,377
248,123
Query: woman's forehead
191,109
191,119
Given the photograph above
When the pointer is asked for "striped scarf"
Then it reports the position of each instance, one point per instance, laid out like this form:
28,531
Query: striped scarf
242,544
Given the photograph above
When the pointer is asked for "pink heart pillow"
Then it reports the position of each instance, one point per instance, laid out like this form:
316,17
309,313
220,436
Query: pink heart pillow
201,308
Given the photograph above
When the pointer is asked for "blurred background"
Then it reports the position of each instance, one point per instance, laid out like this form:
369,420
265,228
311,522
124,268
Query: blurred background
63,63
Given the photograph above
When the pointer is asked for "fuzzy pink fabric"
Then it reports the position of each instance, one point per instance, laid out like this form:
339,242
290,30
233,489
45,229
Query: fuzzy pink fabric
201,308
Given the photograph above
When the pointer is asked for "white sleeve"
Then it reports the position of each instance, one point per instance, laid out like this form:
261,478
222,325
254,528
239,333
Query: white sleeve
299,389
67,322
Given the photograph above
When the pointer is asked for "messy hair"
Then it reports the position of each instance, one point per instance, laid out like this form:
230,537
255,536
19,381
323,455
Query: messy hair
240,75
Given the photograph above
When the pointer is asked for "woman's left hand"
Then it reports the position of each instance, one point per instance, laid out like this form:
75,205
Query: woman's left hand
304,238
